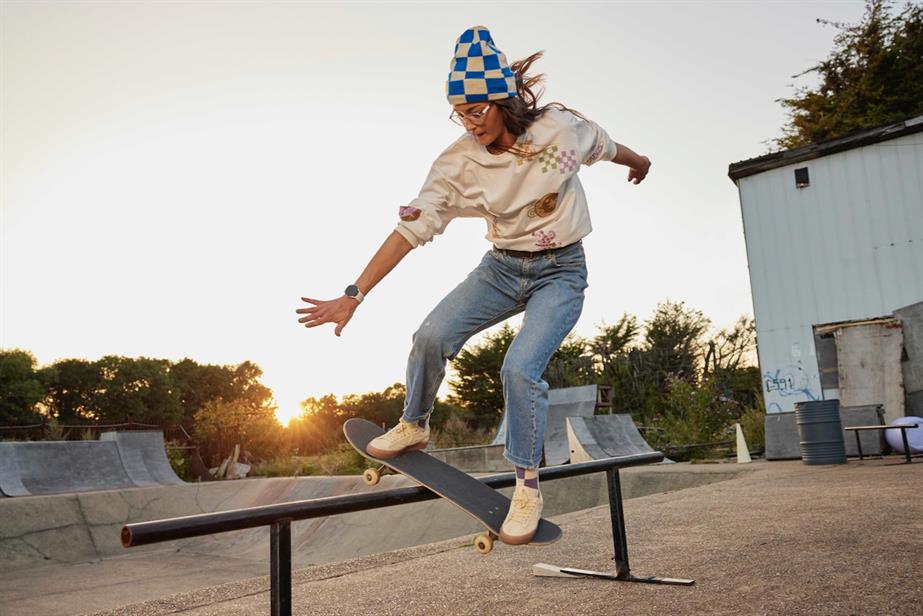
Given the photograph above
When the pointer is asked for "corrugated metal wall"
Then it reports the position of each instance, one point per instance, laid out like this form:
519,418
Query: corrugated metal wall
848,247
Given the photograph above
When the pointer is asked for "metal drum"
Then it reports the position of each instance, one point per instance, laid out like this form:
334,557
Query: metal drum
820,431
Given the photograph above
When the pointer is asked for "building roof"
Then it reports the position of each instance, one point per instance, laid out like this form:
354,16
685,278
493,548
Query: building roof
861,138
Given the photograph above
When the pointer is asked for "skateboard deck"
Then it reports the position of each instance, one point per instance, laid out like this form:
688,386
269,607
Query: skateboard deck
481,502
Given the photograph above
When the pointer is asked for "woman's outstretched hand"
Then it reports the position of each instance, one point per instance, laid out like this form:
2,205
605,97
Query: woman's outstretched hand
637,174
338,311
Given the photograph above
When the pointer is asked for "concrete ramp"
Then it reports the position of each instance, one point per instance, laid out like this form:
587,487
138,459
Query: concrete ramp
562,403
474,459
604,436
144,457
54,467
119,460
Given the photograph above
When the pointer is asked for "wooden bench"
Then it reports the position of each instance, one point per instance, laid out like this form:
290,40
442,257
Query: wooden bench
903,430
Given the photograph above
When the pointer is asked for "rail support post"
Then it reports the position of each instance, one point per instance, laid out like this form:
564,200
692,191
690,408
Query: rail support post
617,515
280,567
619,542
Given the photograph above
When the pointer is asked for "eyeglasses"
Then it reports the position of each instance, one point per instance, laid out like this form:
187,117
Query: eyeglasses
475,118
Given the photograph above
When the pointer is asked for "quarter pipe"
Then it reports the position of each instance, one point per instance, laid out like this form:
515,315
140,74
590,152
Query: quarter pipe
604,436
118,460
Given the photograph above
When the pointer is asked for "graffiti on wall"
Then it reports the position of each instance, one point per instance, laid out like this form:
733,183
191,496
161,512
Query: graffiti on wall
790,381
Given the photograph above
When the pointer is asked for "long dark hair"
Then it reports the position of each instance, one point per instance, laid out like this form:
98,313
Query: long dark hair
521,111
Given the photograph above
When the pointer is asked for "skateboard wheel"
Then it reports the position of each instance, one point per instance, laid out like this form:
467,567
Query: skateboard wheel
483,543
371,476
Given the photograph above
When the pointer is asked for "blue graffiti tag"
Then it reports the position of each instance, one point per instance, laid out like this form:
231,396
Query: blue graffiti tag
789,381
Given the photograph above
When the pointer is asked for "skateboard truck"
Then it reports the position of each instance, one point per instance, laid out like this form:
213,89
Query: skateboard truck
620,541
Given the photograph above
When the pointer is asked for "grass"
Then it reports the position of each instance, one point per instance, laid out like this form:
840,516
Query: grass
344,460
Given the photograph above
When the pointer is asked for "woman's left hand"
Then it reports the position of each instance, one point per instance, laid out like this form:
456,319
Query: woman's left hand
637,174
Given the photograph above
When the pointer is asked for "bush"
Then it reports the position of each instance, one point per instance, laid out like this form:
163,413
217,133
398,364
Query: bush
344,460
53,431
283,466
691,416
455,432
180,460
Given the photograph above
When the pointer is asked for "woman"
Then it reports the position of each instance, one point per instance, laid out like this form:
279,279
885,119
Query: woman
515,167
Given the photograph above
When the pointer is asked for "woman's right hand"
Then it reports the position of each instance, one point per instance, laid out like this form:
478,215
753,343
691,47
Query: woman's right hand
338,311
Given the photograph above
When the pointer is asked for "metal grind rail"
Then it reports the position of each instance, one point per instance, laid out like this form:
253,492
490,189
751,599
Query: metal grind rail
279,518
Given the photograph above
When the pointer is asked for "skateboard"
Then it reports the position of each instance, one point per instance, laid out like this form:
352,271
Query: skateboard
481,502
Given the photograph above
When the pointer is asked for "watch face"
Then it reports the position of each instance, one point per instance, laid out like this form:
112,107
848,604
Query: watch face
352,290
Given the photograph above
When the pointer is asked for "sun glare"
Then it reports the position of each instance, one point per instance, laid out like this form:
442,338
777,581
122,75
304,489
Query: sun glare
285,413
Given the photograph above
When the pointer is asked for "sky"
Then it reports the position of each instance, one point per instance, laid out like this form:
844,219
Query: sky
175,176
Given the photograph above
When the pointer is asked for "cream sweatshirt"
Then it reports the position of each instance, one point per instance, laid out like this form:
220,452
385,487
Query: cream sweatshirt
530,202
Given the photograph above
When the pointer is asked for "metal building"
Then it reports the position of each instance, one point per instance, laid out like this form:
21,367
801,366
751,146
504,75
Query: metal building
834,236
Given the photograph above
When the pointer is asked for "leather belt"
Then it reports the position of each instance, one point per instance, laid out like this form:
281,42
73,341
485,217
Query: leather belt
525,254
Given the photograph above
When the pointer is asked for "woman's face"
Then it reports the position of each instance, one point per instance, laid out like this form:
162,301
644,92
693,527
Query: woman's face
487,128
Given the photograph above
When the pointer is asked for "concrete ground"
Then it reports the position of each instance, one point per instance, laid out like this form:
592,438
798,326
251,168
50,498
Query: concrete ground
784,539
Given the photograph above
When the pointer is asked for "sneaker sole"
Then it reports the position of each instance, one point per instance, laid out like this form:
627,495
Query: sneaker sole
386,454
516,540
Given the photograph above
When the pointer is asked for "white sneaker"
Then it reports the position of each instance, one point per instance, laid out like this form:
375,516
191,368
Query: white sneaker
402,437
522,520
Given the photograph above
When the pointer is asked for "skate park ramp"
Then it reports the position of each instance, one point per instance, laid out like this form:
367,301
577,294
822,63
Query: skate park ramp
562,403
144,457
118,460
604,436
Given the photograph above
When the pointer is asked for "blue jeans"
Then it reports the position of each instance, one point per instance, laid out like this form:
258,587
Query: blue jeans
549,288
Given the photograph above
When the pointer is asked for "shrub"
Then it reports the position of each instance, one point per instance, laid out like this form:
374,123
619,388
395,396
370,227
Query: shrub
455,432
180,461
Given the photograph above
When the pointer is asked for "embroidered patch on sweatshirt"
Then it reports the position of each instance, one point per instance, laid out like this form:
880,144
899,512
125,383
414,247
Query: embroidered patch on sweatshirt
408,212
545,240
555,158
543,207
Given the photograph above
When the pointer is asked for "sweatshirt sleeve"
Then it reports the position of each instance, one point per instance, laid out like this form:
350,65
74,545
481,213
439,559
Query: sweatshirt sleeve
593,143
429,214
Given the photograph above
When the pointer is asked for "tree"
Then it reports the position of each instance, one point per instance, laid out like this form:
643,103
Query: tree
136,389
197,384
220,425
613,343
71,386
317,429
20,388
727,366
874,76
672,342
621,364
571,365
382,408
730,347
477,387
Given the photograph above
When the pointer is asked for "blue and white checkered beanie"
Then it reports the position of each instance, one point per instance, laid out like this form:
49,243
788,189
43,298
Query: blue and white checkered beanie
479,71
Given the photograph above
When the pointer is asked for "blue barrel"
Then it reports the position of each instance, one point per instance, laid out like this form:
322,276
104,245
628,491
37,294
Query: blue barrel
820,431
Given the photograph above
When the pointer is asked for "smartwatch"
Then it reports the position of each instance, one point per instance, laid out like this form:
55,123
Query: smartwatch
354,292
